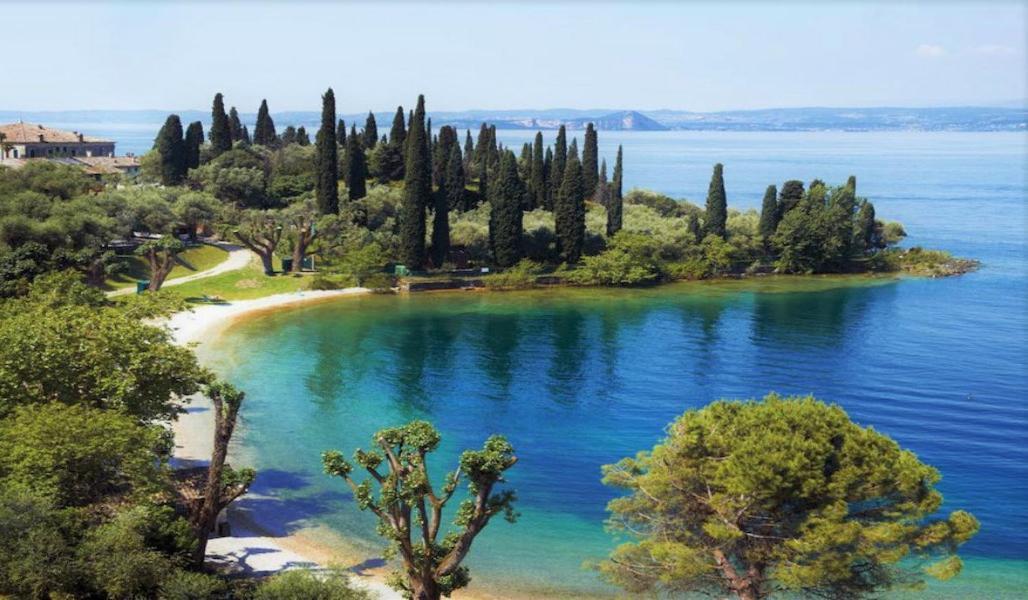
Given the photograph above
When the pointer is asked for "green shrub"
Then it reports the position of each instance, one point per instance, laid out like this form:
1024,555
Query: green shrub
631,259
187,585
692,268
520,276
307,585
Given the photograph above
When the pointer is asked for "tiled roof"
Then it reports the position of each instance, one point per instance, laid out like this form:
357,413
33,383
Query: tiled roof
95,165
28,133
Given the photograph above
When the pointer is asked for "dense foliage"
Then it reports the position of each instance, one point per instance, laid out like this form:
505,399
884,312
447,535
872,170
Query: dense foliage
784,495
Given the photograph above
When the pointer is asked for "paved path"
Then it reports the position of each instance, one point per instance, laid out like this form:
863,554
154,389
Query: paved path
238,258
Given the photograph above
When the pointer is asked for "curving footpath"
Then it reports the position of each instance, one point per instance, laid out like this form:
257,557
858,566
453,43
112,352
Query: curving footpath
238,258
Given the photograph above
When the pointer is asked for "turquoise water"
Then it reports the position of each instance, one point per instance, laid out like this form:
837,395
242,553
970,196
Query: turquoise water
580,378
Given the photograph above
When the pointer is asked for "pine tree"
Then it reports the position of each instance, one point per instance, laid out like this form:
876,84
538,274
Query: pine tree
370,131
505,213
221,134
538,171
264,132
341,133
172,150
326,160
615,207
569,212
356,166
715,218
769,214
590,155
453,181
193,141
417,191
235,126
302,138
398,133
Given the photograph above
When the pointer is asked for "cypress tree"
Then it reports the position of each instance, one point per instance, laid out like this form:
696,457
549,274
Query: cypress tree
538,173
547,175
221,134
694,228
494,148
417,191
560,159
769,214
235,126
172,150
341,133
483,141
246,136
505,213
789,197
453,181
264,132
398,133
326,162
370,131
715,218
289,135
469,150
441,221
441,153
356,166
569,212
590,155
193,141
301,136
865,227
573,151
615,207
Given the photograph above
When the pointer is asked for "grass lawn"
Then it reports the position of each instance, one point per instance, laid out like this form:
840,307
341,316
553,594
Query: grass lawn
244,284
190,261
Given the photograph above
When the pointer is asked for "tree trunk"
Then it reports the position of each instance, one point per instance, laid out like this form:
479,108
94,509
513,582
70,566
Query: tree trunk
425,590
267,262
160,267
207,515
745,588
299,251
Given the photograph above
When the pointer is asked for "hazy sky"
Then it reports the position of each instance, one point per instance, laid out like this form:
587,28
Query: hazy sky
495,55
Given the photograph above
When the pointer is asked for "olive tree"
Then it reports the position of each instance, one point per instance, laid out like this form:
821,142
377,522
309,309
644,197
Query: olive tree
786,495
160,258
410,509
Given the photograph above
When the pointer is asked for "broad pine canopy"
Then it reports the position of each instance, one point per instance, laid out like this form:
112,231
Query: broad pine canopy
786,494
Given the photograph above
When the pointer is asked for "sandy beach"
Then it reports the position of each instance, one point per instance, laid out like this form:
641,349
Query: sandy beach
259,544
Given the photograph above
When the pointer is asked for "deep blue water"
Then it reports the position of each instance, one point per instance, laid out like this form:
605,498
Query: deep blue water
578,379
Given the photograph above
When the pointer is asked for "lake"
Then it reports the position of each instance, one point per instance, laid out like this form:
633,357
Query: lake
580,378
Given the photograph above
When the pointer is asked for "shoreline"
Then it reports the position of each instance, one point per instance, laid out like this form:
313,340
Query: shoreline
257,545
254,547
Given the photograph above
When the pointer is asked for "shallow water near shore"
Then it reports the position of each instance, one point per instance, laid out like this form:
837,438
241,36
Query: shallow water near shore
580,378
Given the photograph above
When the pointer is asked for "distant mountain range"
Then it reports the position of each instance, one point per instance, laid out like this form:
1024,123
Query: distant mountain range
970,118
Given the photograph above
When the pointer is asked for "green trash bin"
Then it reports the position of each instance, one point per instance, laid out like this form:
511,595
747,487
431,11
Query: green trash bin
401,271
142,285
287,265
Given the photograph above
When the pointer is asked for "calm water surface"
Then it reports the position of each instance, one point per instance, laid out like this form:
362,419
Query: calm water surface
580,378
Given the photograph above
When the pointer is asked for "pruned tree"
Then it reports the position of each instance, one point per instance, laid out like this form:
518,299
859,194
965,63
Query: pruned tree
223,483
260,231
160,258
410,509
